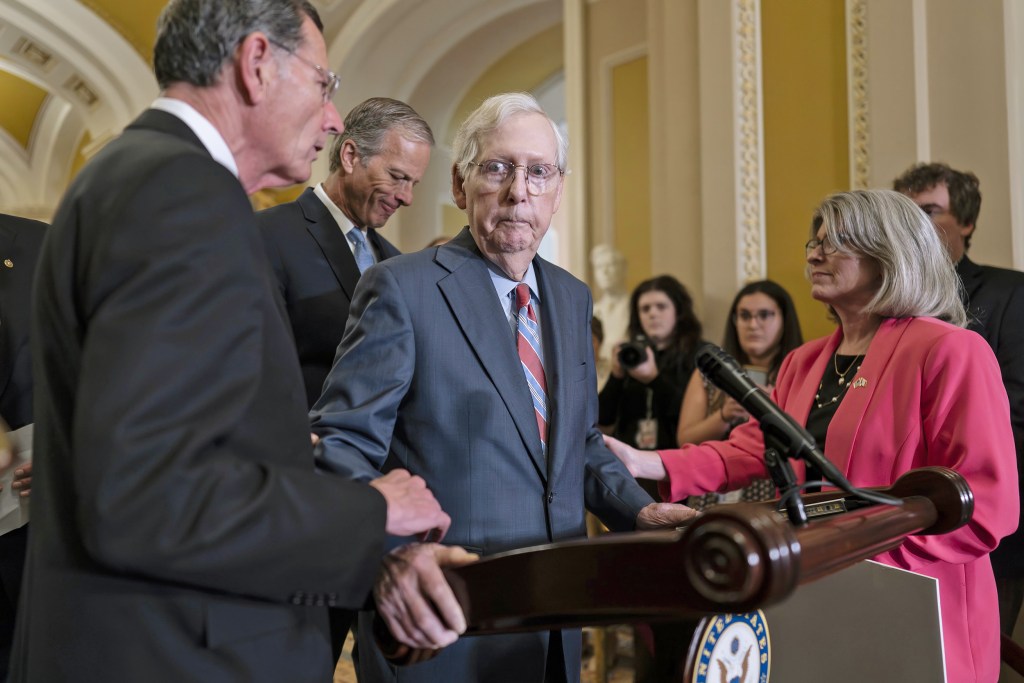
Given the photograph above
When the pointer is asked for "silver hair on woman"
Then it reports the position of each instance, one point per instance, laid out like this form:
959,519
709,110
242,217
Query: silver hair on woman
918,277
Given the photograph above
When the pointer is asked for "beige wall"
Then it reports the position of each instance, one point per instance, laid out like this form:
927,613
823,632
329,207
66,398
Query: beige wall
938,76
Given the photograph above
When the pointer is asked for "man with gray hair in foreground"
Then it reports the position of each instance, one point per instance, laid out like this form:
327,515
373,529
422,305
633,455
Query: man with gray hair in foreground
471,364
180,532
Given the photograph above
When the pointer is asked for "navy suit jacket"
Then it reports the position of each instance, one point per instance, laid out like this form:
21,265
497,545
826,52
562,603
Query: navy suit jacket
20,241
428,378
995,306
180,532
316,275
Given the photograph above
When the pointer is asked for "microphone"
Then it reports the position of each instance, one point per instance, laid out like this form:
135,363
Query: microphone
724,372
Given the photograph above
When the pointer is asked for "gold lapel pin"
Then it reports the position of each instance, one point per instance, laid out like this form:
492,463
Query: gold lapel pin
9,263
859,382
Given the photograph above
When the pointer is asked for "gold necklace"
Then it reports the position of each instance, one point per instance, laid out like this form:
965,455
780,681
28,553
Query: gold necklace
842,375
842,381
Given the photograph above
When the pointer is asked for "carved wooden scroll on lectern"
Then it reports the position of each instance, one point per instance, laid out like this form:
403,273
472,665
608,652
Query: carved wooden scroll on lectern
732,558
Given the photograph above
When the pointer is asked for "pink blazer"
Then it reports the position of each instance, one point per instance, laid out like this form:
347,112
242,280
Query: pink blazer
933,396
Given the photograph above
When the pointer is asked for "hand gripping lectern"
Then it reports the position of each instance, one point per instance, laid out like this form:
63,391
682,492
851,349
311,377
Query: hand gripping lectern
793,603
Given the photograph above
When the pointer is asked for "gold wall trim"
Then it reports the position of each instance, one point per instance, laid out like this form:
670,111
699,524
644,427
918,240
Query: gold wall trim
857,60
749,139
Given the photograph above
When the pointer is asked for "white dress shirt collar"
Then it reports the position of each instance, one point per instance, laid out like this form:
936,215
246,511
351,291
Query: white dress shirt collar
340,218
211,138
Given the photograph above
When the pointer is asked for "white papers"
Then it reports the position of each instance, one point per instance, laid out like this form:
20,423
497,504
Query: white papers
14,508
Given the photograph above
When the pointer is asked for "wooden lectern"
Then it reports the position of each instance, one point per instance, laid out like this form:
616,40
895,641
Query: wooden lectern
731,559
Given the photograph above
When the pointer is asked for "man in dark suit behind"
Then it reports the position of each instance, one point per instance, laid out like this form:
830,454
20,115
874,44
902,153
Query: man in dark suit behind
180,532
429,376
20,241
374,166
995,306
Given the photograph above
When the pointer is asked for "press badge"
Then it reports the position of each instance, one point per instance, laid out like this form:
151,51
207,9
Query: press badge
647,434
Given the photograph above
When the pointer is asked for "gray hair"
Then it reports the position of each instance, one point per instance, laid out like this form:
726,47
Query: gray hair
490,115
196,37
918,277
369,122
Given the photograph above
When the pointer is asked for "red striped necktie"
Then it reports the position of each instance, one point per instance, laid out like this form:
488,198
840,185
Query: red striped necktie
528,343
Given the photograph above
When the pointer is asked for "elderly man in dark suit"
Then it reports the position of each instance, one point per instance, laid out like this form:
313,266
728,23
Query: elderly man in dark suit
995,305
180,532
471,364
320,243
20,241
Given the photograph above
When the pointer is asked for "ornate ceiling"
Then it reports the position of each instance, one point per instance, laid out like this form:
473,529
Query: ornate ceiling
73,73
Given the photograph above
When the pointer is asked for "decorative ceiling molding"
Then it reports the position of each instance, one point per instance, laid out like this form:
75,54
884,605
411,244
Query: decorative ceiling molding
34,54
427,52
32,181
96,82
90,63
403,42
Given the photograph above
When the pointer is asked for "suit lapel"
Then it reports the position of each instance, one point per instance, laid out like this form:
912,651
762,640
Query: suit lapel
381,246
468,291
324,229
970,276
8,235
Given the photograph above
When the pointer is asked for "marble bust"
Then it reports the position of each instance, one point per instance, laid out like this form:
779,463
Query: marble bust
611,301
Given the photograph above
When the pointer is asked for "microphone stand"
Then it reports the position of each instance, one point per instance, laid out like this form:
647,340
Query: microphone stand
784,479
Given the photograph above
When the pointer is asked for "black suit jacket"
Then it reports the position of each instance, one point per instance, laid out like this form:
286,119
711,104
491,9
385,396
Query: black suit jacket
995,305
180,532
20,241
317,275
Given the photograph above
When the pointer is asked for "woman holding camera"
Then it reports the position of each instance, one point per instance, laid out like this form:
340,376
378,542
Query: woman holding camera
639,403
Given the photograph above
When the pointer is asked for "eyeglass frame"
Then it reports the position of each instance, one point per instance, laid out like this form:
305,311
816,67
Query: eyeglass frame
329,86
814,243
762,316
526,173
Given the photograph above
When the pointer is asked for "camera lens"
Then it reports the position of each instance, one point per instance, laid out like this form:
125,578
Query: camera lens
632,354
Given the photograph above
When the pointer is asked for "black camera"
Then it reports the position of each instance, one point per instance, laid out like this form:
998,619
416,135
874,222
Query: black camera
634,352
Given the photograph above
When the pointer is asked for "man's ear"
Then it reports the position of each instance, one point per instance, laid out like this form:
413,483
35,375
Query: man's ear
458,188
966,231
348,156
253,64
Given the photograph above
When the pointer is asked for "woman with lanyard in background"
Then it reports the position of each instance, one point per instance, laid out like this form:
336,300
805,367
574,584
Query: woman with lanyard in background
640,405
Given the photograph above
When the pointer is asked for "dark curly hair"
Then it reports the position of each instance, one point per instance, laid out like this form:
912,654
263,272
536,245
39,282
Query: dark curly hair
963,187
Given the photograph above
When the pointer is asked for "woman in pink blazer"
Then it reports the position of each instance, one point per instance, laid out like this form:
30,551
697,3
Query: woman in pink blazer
899,385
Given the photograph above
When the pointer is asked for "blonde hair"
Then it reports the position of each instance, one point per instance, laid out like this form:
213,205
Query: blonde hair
918,277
